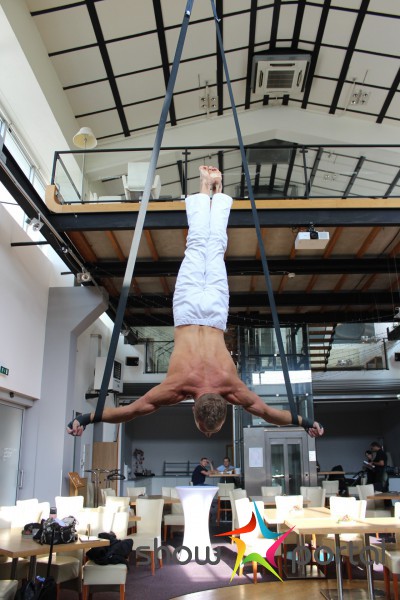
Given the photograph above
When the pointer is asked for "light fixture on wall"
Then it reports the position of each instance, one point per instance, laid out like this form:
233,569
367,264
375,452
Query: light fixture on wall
86,140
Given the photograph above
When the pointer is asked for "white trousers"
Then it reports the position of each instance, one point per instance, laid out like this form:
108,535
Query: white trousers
201,294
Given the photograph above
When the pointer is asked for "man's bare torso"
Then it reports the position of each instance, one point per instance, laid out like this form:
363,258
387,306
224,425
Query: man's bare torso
201,362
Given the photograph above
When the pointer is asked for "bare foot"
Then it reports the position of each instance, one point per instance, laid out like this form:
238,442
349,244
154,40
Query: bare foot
216,179
205,180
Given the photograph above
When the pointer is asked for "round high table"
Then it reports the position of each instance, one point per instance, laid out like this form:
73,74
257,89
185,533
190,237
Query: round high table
196,503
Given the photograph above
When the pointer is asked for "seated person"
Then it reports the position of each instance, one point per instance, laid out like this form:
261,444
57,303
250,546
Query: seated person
227,468
201,472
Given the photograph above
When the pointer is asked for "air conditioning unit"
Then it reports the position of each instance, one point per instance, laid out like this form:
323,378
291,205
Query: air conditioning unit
116,383
279,73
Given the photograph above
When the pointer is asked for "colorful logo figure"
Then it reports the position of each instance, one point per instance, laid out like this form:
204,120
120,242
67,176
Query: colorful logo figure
269,561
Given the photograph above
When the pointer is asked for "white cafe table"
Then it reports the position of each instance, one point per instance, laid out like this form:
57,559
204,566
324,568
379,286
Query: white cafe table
324,526
196,503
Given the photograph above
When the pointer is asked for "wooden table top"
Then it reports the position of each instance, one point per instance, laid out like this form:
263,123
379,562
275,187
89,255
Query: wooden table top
167,499
222,474
331,473
271,515
329,525
14,545
270,500
385,496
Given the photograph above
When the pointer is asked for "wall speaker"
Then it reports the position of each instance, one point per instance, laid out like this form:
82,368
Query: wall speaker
133,361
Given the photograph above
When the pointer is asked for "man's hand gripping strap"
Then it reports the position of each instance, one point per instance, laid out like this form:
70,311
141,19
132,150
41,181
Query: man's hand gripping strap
83,420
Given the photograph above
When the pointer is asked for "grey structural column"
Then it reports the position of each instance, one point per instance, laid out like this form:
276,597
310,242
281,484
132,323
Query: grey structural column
70,312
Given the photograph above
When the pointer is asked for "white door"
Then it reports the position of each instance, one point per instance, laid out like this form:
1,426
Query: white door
10,443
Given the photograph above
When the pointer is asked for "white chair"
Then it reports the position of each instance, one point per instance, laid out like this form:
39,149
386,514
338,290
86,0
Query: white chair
234,495
331,488
149,527
135,181
166,491
65,566
285,506
392,562
223,496
8,589
68,506
314,494
176,518
118,502
345,509
107,575
270,491
375,508
106,492
134,492
254,540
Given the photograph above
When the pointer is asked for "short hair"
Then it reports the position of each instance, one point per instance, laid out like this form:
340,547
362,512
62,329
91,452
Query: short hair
227,458
377,444
204,458
210,409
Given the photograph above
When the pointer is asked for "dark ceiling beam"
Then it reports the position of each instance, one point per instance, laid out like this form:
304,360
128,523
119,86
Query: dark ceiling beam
250,52
220,67
275,24
254,319
362,11
356,172
315,53
298,23
288,299
162,42
90,4
389,98
321,217
247,267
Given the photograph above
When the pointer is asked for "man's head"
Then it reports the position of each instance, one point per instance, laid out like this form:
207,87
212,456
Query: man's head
209,413
375,446
204,462
227,462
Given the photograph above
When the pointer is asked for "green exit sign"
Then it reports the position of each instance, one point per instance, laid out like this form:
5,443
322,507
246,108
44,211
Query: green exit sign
4,370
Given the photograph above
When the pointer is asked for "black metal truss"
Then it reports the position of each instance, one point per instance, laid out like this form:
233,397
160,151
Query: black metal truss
243,267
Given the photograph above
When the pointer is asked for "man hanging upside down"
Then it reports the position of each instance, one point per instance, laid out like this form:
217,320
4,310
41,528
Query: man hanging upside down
201,366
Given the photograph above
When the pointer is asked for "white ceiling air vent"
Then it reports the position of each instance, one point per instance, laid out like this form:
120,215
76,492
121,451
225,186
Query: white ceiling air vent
279,73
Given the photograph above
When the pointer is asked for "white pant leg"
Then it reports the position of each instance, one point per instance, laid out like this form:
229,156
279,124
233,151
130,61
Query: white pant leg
191,277
201,294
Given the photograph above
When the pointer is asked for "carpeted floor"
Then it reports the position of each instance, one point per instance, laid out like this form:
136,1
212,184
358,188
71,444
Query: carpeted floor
176,579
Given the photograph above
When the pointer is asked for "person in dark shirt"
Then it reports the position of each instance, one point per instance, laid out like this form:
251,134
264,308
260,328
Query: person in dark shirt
201,472
379,462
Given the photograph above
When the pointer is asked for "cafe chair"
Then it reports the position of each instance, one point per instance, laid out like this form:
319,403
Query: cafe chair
254,540
314,494
223,497
65,567
134,492
117,503
270,491
166,491
392,562
149,527
345,509
106,492
8,589
176,518
107,575
234,495
68,506
5,568
375,508
331,488
285,507
135,181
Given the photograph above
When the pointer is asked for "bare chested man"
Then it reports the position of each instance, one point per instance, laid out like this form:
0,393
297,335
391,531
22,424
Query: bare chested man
201,366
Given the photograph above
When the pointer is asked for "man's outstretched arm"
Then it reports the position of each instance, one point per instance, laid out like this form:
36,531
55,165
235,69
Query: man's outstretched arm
161,395
255,405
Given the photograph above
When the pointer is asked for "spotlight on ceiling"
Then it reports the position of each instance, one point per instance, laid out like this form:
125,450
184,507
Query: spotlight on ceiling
311,239
35,223
83,277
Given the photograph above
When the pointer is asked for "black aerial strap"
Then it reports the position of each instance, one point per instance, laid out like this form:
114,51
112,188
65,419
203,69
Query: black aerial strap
271,299
141,216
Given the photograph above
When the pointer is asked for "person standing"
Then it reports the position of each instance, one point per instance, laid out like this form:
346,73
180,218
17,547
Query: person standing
379,462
